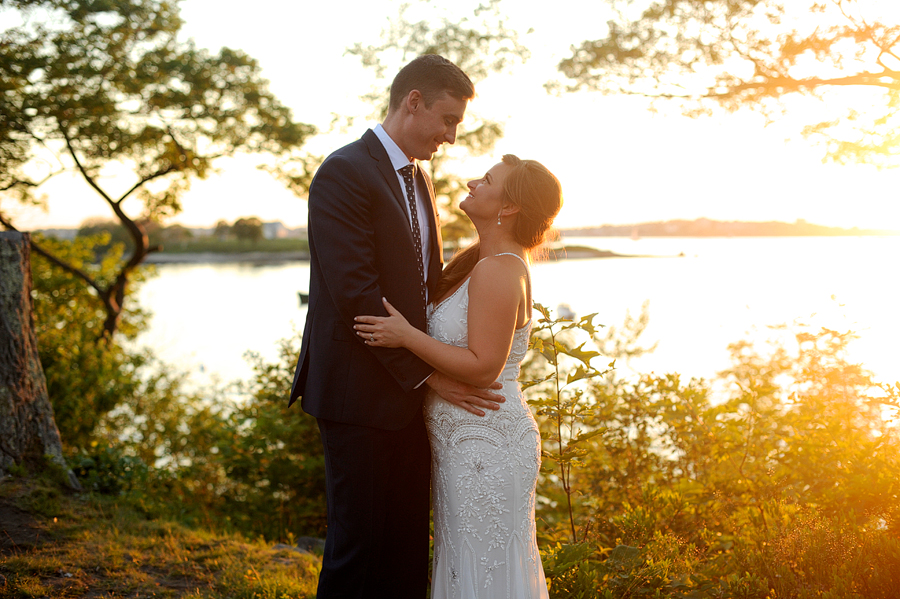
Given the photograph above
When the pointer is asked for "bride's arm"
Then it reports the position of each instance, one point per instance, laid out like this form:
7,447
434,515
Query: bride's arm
495,292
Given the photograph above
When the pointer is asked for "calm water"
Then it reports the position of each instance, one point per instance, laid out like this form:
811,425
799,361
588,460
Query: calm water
719,291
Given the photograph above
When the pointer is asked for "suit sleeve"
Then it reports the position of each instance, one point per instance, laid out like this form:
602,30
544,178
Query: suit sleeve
341,226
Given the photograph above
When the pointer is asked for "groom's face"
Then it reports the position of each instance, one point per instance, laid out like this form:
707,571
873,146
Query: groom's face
433,125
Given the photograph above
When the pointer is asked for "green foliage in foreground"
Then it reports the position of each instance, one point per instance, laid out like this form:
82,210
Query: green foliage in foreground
776,480
233,458
87,375
237,461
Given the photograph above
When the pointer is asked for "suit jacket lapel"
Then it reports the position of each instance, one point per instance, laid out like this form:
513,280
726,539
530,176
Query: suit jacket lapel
383,161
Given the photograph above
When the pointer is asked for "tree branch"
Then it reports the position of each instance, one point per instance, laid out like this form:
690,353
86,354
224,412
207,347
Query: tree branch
147,179
137,234
87,177
761,68
64,265
160,173
865,79
889,50
15,183
30,183
785,84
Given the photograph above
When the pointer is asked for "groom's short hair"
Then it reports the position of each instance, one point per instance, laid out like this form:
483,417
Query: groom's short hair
432,75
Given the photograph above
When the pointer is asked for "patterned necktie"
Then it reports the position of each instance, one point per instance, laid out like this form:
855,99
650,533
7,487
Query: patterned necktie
409,177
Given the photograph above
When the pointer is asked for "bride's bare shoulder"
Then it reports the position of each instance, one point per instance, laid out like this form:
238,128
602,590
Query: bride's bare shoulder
502,269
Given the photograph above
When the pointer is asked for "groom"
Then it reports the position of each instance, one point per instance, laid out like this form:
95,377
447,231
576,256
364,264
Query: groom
373,233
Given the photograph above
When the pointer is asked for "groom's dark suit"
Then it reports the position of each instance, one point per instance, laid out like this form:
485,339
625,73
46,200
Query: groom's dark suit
366,400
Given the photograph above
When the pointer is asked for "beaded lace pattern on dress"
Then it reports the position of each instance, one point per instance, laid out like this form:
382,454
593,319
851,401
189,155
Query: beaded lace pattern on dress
484,472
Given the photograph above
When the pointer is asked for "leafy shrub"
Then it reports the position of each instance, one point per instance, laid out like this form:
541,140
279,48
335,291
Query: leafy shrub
108,470
777,479
87,376
235,458
274,458
782,485
816,555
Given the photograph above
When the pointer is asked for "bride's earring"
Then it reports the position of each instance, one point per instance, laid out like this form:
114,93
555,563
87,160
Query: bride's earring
498,216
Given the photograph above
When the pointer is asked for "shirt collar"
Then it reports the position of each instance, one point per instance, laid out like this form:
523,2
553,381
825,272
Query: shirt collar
398,158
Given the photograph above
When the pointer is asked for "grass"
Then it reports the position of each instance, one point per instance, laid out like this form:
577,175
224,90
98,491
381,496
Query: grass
91,546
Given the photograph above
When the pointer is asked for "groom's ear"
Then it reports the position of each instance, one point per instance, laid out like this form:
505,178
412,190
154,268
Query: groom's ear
414,101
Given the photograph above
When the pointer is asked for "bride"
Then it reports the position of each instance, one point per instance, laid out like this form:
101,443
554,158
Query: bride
484,467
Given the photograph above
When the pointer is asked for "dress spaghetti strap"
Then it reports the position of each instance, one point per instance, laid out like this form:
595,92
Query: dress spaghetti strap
525,264
527,270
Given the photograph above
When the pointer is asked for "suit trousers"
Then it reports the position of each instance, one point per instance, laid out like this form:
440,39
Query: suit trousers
378,511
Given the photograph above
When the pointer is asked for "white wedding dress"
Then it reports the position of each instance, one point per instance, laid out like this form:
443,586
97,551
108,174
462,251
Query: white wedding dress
484,471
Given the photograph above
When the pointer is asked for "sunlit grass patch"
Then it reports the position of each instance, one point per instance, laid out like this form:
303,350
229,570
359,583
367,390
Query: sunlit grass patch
101,549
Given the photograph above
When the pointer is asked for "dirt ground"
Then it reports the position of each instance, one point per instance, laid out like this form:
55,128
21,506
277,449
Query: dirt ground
18,529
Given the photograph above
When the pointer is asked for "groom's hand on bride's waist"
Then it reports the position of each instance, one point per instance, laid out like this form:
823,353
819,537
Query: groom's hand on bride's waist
463,395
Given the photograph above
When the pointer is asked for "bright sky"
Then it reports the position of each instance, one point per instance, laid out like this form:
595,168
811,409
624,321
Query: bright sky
618,162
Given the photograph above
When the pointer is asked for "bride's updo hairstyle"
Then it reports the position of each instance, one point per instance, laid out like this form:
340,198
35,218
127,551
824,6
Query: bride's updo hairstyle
538,195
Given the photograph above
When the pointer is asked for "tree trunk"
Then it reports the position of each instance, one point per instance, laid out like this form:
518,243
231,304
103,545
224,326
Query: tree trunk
27,428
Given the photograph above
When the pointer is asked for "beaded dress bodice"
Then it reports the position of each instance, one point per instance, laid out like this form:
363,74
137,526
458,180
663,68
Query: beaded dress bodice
448,323
484,472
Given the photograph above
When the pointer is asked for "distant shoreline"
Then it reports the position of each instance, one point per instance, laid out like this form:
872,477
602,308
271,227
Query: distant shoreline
559,252
704,227
574,252
226,257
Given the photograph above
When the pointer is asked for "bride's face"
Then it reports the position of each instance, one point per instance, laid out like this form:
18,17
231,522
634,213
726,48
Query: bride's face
485,197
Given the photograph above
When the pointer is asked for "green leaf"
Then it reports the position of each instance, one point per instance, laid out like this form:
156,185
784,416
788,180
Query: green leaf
579,353
543,310
623,556
581,374
562,558
533,382
587,435
542,402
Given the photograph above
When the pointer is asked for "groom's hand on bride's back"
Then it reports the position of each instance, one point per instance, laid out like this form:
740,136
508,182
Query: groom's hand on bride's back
464,395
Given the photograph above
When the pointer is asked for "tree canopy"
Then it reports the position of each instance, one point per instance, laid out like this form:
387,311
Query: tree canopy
480,44
248,228
107,91
759,54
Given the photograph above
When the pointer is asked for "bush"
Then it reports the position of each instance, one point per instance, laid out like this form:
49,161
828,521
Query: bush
777,479
87,375
107,470
236,459
783,485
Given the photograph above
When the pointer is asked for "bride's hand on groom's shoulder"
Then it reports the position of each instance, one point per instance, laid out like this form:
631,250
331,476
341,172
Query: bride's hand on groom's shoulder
384,331
463,395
